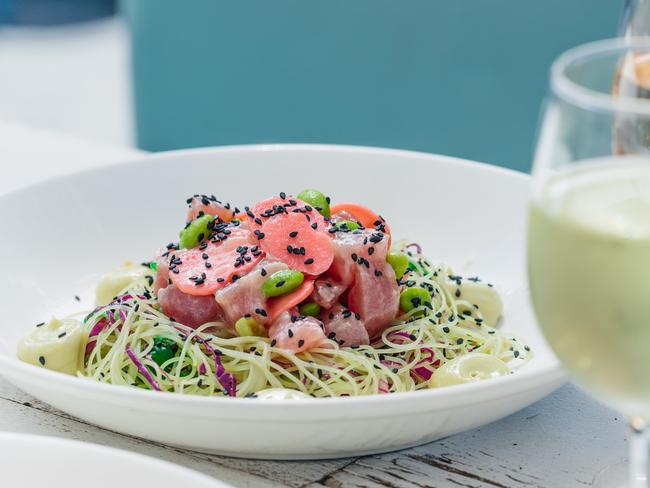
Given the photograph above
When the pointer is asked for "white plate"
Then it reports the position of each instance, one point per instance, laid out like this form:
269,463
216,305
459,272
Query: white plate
62,233
30,461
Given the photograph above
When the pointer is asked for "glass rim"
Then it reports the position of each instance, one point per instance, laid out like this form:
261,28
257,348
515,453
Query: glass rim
589,99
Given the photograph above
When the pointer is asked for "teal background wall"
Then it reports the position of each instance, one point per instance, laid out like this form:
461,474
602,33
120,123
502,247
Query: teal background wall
458,77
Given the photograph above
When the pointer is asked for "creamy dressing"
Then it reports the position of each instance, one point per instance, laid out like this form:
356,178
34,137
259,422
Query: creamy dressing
468,368
479,293
57,345
119,280
589,265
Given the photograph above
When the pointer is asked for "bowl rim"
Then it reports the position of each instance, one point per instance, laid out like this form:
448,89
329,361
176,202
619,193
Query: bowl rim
545,373
98,451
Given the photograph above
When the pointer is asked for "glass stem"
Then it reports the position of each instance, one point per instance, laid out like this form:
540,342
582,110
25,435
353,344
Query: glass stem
639,450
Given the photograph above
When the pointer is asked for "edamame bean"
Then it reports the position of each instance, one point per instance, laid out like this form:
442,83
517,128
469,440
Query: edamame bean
399,262
309,309
413,297
347,225
248,326
198,230
317,200
163,350
282,282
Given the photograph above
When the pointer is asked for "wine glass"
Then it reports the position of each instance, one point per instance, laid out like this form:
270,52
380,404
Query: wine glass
589,230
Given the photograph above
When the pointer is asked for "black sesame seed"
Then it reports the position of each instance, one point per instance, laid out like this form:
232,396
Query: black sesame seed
314,225
457,292
263,272
446,330
273,342
289,248
331,335
261,311
301,342
280,283
293,233
371,250
290,332
41,359
219,280
40,324
309,260
62,334
76,297
378,273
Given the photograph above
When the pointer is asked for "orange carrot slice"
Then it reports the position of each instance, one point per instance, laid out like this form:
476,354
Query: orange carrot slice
275,306
363,214
202,270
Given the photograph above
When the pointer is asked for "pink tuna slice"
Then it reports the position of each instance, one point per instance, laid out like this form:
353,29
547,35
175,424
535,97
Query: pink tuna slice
296,335
162,276
349,246
327,292
360,262
343,326
245,297
375,296
209,205
189,310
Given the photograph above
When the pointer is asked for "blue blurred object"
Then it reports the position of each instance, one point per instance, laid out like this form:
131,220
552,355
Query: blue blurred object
457,77
51,12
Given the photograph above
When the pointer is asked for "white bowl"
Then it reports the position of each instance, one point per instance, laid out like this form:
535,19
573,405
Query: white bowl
30,461
60,234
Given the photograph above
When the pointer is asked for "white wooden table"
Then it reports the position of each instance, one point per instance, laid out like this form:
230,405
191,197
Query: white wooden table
562,441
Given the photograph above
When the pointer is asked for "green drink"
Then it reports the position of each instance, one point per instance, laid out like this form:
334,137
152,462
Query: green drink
589,265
